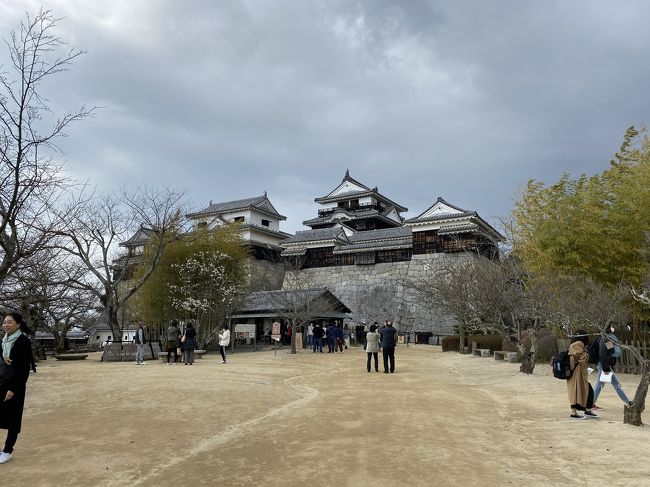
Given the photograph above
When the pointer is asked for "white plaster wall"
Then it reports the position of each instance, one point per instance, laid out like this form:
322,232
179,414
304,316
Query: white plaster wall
256,219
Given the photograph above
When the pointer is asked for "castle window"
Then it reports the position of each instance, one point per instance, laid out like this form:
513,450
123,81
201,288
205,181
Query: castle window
238,219
365,258
266,223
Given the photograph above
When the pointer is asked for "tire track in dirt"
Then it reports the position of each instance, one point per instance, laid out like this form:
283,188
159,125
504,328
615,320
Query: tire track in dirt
309,394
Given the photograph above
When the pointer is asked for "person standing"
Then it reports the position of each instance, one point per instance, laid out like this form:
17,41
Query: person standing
338,335
173,341
140,339
346,335
16,360
310,335
372,347
388,344
289,333
189,344
608,352
331,339
318,338
578,387
224,341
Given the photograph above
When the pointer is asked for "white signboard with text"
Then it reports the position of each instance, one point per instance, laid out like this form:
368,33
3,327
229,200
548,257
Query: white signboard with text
245,330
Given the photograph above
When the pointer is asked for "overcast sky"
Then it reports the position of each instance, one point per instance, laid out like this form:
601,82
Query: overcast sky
461,99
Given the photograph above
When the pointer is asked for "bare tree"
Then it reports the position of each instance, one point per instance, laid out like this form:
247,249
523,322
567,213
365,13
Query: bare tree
632,413
451,286
31,181
47,284
98,227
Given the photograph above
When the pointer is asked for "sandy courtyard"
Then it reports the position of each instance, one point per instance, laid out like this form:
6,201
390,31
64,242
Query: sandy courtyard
318,419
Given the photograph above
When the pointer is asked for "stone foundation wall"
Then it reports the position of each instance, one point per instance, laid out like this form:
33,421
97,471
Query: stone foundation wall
382,291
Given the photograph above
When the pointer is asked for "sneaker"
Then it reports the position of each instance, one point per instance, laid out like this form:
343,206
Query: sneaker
5,457
577,416
223,361
143,363
137,363
590,414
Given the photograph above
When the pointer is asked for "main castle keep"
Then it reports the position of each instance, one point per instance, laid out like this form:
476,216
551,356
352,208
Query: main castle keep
359,247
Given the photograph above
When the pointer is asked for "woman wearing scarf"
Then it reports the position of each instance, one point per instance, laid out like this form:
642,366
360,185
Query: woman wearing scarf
581,395
17,357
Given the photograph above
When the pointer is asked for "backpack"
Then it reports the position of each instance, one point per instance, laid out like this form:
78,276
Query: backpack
562,366
616,353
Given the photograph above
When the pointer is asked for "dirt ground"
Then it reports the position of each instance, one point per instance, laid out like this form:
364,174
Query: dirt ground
319,420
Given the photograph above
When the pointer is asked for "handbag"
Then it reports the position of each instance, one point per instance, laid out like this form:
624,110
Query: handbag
6,373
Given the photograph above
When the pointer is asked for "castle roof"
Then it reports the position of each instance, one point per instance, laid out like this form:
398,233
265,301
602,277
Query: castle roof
350,188
284,300
453,220
383,239
140,237
335,233
258,203
360,214
440,210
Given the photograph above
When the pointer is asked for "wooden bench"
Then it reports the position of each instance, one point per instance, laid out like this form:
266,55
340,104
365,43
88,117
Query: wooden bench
510,357
197,354
481,352
71,356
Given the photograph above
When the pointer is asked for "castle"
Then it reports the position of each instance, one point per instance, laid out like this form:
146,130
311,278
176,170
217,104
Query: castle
359,247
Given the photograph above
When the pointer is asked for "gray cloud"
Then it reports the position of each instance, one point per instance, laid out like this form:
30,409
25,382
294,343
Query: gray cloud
465,100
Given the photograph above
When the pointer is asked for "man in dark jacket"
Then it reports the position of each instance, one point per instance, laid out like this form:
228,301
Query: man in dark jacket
331,339
388,343
318,338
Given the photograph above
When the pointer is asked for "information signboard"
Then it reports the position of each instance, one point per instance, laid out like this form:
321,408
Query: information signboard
245,330
275,332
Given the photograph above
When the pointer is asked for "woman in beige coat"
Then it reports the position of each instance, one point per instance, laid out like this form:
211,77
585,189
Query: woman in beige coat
581,394
372,346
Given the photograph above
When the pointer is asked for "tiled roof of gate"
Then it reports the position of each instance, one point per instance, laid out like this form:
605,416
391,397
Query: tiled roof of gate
318,234
278,300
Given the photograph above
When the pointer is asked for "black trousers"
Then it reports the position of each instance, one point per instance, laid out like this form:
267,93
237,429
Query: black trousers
376,355
12,436
389,354
169,354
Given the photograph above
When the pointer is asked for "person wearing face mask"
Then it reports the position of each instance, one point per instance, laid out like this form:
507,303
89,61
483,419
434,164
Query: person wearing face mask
608,352
14,372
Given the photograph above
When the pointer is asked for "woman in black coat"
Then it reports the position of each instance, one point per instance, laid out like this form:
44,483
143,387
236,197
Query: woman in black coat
17,358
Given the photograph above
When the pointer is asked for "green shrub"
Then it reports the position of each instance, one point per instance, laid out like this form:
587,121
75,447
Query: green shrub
493,342
450,343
